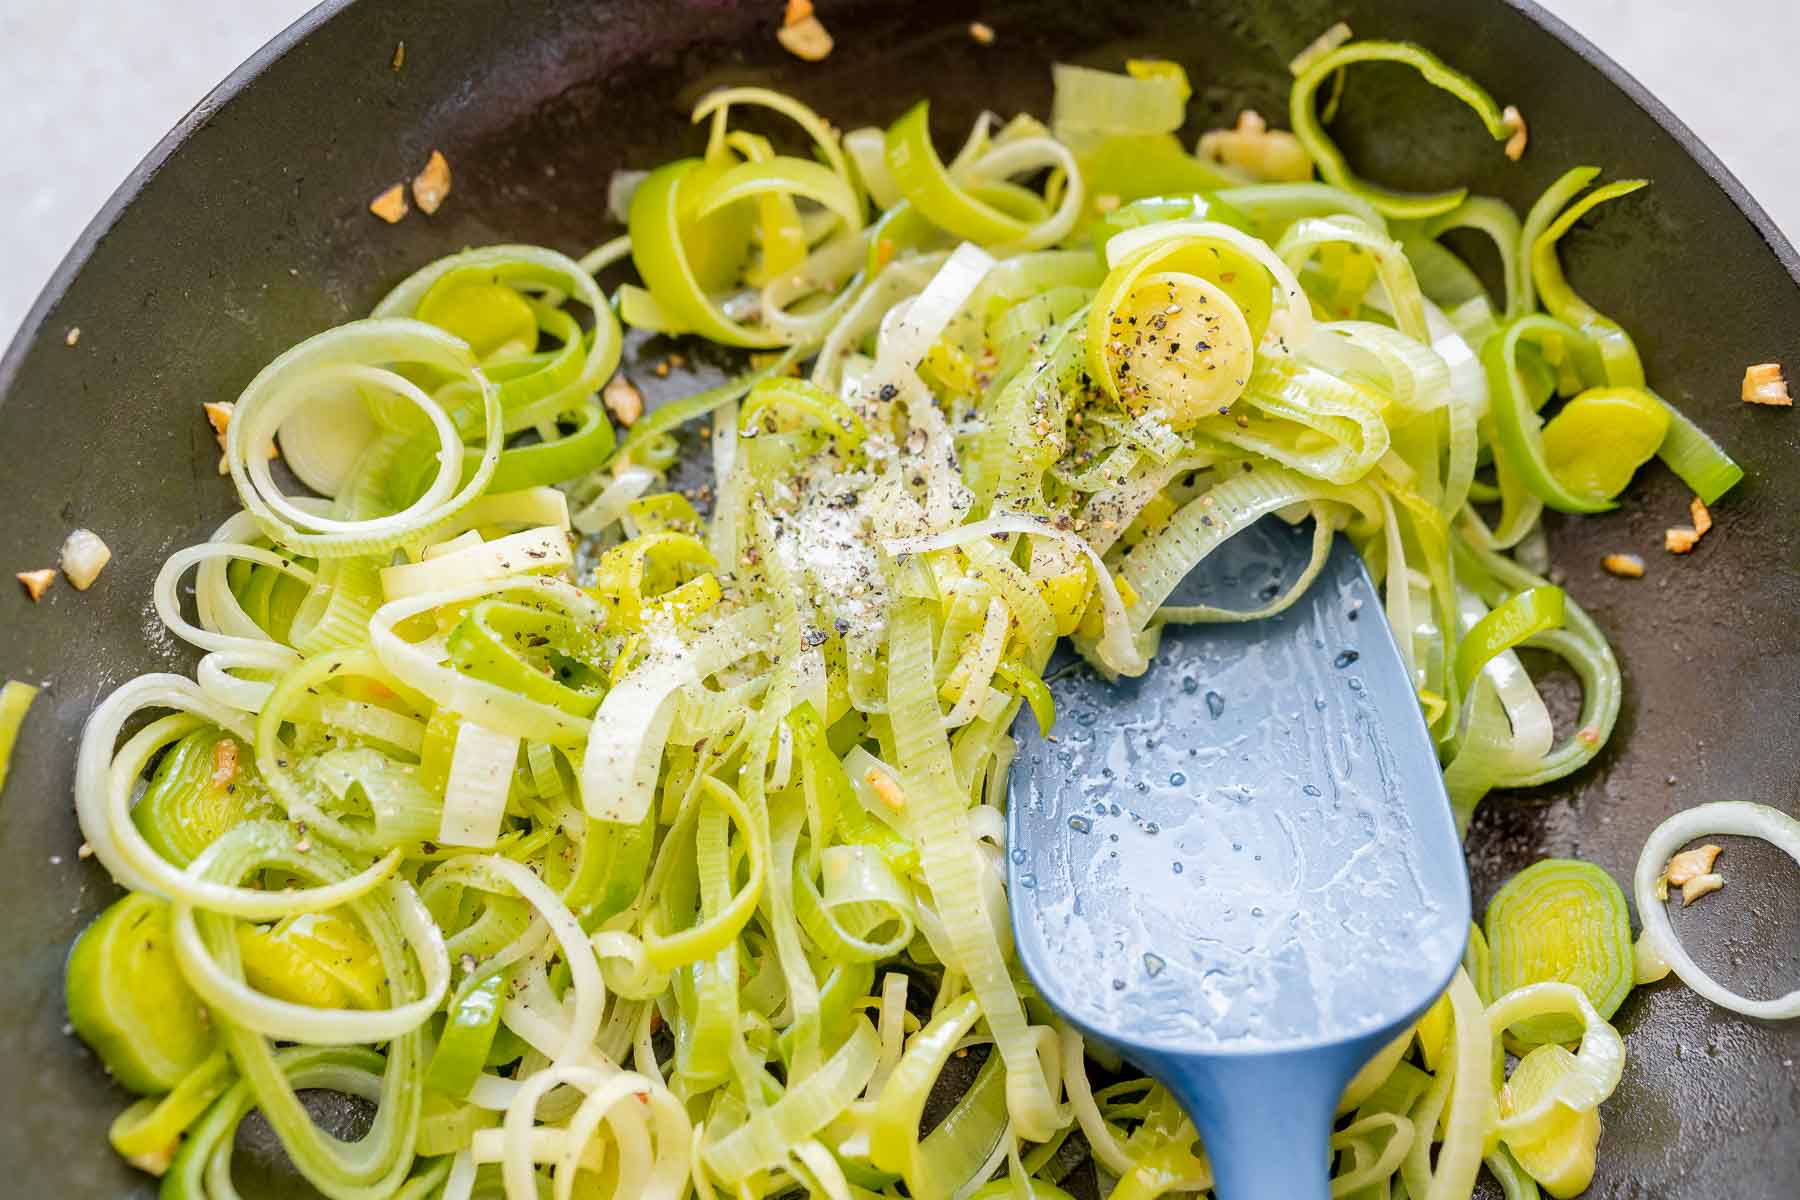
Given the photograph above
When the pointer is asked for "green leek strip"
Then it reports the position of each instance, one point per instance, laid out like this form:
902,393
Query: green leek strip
148,1133
1561,919
1495,218
472,1022
581,450
1581,645
1514,1183
529,380
939,820
715,104
1696,459
1272,207
538,653
669,417
1618,357
1519,439
611,870
667,263
206,1152
1543,211
1031,688
1523,616
705,938
15,699
783,176
1303,116
922,179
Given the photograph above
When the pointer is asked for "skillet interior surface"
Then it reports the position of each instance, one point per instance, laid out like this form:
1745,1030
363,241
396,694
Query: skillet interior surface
247,231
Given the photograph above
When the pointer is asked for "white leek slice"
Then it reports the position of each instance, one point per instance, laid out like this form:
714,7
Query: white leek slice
600,512
907,333
1738,817
625,744
323,440
481,770
528,552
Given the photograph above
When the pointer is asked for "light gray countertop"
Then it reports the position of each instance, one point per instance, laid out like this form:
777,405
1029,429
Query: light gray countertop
87,88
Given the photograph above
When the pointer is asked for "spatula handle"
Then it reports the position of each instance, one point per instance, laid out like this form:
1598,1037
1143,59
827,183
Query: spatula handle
1265,1122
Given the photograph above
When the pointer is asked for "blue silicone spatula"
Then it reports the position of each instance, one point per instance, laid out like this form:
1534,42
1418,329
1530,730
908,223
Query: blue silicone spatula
1240,870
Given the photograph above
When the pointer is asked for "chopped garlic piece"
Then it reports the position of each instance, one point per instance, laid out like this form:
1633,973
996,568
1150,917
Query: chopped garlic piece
84,556
982,33
807,40
36,583
74,335
225,762
1625,566
1691,864
1515,121
1765,384
431,186
399,59
218,415
1702,518
390,206
797,11
1681,539
1699,886
885,789
623,400
1271,154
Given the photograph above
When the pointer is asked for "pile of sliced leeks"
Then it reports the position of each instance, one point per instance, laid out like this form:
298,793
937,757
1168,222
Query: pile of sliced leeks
610,850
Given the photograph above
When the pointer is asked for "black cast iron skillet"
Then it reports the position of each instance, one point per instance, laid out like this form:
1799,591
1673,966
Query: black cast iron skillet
246,230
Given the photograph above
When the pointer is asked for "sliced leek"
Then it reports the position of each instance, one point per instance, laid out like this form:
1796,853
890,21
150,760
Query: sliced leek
617,833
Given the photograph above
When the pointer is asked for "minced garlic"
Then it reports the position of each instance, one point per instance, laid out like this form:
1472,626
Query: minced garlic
218,415
1625,566
84,556
1700,885
1515,121
1765,384
623,400
431,186
885,789
801,33
225,762
1692,872
390,205
36,583
1680,539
